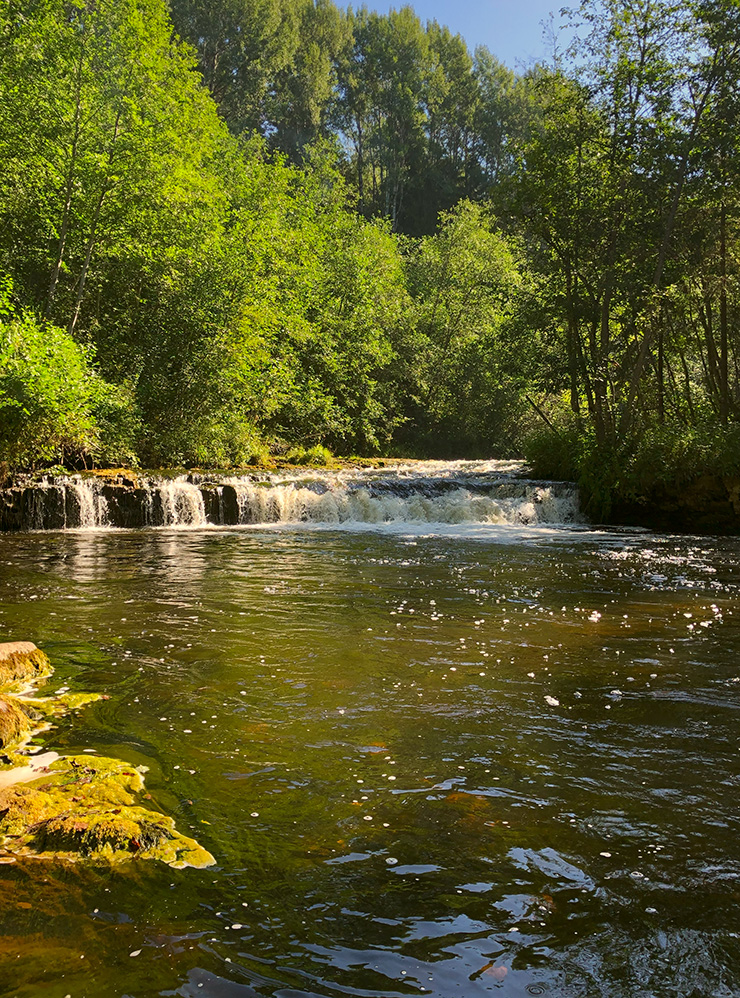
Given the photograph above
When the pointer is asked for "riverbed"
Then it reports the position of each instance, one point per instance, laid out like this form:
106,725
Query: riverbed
445,759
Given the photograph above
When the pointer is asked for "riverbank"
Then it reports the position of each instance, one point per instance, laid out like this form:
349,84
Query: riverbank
680,481
710,504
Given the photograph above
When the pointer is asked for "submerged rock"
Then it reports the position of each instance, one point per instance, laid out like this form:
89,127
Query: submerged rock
21,662
59,703
86,808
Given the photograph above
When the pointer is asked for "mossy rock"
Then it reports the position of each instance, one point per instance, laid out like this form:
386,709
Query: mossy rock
97,778
116,835
21,717
59,703
21,662
84,808
12,760
15,721
21,808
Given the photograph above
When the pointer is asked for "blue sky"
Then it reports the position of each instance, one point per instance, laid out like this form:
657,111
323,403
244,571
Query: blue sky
511,29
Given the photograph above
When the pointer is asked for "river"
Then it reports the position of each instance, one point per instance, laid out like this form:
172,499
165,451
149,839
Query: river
497,755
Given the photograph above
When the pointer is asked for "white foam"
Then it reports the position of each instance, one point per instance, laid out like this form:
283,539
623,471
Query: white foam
412,495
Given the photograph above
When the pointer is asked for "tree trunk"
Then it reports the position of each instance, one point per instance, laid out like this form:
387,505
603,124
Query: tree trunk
661,384
724,392
86,264
657,282
94,227
360,166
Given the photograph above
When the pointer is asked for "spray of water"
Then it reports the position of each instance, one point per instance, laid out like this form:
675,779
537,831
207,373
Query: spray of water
442,493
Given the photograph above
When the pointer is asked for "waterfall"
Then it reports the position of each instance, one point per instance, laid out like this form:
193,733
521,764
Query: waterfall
420,493
182,504
294,503
92,506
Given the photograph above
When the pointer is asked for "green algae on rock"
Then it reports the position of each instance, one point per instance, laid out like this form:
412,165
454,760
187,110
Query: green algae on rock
24,716
59,703
21,662
77,807
84,808
15,722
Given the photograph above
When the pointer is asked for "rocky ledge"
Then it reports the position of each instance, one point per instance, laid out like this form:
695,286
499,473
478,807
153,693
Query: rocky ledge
706,505
71,807
131,500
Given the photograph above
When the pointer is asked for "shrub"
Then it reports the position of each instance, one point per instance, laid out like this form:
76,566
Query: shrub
205,440
317,455
54,407
660,461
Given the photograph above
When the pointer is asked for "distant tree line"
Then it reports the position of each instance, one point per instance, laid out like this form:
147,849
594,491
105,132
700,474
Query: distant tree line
419,121
235,224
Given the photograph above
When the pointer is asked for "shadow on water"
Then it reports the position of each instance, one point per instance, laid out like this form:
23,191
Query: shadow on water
426,763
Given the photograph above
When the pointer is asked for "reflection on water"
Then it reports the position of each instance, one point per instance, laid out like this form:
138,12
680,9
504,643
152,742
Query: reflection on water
425,764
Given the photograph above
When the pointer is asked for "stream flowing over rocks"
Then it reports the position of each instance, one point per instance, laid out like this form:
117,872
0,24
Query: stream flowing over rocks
418,492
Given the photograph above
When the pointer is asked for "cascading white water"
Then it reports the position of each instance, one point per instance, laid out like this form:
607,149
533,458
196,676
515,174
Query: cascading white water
149,508
182,504
294,503
74,503
92,504
420,493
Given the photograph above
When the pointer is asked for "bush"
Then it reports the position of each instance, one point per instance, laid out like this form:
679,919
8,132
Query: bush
639,469
211,440
119,425
553,455
54,408
317,455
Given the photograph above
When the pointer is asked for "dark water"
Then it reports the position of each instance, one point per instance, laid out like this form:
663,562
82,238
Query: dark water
423,764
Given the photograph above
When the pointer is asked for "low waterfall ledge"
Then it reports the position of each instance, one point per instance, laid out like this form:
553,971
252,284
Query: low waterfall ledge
491,492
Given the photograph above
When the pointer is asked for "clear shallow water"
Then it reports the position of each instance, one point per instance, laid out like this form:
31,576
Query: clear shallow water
422,762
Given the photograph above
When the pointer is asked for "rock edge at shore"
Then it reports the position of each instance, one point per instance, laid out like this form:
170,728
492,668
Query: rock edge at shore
71,807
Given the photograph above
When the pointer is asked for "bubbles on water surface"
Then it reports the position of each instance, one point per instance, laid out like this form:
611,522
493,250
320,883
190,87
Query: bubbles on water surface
482,767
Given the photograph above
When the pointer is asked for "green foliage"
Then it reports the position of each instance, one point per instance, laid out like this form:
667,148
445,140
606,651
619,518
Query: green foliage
6,295
654,466
339,229
318,456
53,406
553,454
465,282
301,99
230,295
320,295
243,46
670,457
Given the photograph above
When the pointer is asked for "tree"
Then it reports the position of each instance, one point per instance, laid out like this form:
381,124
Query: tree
54,407
603,178
498,109
303,93
116,154
242,46
381,107
464,281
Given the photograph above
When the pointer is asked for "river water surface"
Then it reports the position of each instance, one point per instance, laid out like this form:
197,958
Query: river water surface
453,760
